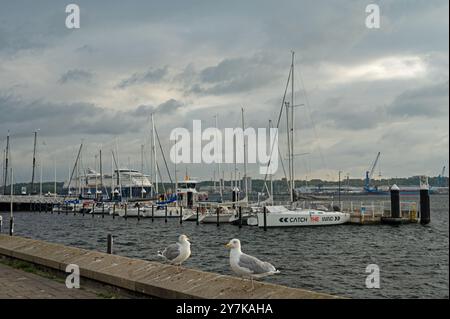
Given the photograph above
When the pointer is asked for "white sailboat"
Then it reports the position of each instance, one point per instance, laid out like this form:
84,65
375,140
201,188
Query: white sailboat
281,216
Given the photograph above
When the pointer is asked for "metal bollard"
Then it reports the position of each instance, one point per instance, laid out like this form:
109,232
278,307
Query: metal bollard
424,205
395,201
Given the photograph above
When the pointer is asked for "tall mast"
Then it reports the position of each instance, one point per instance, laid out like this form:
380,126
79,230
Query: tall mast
154,156
292,127
34,163
131,181
142,170
245,155
40,178
101,173
6,164
218,164
54,181
292,130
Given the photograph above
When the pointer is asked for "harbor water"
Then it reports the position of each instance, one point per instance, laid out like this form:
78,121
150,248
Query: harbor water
413,259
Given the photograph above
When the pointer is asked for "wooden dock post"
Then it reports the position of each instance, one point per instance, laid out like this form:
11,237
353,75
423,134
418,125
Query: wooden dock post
103,210
265,218
126,212
165,213
110,244
196,220
93,208
1,223
153,212
139,212
240,216
217,216
114,211
181,215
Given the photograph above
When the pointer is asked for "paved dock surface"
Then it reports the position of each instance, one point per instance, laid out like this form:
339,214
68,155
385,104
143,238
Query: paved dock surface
18,284
151,279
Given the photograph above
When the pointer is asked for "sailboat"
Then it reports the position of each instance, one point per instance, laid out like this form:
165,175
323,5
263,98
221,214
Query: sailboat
282,216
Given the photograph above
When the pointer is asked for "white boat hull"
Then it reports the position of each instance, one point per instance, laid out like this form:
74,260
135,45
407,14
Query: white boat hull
211,218
302,218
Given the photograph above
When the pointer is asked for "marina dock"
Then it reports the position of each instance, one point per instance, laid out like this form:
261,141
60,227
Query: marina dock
140,277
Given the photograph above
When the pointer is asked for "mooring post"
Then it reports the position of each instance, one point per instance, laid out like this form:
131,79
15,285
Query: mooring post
395,201
196,220
11,226
93,208
165,213
74,209
126,212
103,210
114,211
109,249
153,212
1,223
424,204
40,208
181,215
265,218
240,216
217,216
139,212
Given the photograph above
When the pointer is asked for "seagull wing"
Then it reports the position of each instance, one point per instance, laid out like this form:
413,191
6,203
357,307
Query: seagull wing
171,252
254,265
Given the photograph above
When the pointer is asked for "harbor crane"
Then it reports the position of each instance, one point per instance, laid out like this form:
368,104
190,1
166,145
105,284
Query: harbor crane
369,173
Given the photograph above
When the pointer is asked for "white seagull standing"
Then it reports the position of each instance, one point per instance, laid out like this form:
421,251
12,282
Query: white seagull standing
248,266
177,253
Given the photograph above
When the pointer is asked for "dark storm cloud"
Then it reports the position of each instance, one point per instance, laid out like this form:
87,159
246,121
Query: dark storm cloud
76,75
232,75
21,117
430,101
151,76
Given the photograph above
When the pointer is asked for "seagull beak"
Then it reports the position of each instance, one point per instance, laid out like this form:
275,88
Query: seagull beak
228,245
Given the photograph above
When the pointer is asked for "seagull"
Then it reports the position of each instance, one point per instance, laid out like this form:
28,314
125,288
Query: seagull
177,253
248,266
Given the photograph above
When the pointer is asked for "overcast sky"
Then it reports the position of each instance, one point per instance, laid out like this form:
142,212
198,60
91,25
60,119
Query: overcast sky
364,90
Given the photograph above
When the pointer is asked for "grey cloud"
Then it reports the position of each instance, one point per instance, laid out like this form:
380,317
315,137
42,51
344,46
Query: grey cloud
76,75
151,76
21,117
430,101
234,75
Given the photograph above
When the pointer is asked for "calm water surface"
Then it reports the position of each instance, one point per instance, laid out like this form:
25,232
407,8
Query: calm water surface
413,259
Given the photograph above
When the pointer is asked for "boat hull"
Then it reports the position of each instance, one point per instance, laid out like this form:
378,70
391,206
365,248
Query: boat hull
303,218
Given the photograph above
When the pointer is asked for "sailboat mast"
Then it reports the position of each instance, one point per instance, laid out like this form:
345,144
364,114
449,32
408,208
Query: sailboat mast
142,170
6,164
218,163
245,155
154,156
34,163
292,130
101,173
